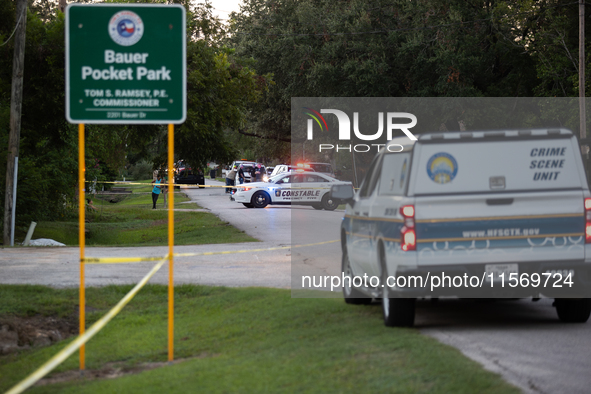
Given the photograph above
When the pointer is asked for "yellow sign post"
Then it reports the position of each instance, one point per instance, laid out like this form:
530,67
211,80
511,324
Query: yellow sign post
156,34
82,239
81,234
170,242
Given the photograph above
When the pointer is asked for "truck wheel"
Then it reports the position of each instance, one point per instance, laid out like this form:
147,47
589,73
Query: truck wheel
351,294
247,205
260,199
398,312
329,203
573,311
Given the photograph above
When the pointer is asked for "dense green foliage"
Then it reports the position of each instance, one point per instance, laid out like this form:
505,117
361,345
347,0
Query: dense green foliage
397,48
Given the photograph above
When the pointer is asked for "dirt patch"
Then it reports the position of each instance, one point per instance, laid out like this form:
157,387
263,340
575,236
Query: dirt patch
20,333
161,222
112,198
111,371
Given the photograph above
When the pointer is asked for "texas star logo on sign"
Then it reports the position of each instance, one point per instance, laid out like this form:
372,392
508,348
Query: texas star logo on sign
126,28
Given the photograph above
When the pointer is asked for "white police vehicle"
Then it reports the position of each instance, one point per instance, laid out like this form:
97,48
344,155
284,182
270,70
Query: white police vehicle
510,209
290,188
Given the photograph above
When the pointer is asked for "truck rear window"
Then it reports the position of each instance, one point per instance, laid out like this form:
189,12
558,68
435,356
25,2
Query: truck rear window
484,166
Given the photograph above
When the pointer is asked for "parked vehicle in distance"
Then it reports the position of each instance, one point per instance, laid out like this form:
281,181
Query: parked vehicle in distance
290,188
281,168
190,177
180,166
268,173
511,207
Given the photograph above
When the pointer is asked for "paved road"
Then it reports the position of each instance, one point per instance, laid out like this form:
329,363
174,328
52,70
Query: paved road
59,267
522,340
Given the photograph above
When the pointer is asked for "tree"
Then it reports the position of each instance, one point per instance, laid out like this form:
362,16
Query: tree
380,48
47,153
548,32
220,86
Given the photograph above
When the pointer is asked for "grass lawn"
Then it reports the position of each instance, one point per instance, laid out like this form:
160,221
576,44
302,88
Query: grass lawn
129,220
236,340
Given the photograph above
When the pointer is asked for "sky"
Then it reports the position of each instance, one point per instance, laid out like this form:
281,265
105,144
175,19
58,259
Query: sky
222,8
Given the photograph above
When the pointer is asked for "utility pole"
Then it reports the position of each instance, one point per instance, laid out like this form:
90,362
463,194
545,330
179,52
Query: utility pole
63,5
582,69
18,65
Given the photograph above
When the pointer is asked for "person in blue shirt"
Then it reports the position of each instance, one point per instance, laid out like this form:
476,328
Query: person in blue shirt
156,190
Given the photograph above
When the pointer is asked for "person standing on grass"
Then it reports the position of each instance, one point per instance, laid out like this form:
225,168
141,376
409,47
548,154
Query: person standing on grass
156,191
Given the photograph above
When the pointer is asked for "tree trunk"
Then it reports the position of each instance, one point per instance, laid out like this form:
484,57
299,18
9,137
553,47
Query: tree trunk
18,65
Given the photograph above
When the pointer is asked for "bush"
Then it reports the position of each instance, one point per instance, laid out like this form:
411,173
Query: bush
141,170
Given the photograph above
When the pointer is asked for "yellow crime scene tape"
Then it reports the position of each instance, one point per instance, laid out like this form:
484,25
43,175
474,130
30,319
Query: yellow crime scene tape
113,260
193,186
82,339
244,185
162,184
96,327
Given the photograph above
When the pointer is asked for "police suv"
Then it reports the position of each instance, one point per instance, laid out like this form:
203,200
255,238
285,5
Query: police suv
498,214
290,188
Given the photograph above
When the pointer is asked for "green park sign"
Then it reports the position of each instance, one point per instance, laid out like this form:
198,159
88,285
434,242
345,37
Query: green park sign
125,63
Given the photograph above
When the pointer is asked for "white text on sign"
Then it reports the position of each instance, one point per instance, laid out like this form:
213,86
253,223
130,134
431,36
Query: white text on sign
125,74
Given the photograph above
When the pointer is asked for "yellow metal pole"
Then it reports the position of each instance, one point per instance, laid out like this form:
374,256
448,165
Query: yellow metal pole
170,242
81,235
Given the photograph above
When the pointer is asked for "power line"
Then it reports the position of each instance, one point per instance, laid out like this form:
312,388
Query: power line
16,27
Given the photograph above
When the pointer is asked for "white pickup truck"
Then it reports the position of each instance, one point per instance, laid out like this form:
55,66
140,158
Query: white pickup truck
499,214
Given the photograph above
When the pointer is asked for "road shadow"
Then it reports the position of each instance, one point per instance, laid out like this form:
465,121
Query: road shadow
497,314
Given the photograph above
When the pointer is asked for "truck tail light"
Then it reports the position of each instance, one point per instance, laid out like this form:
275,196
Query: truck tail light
408,236
588,220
